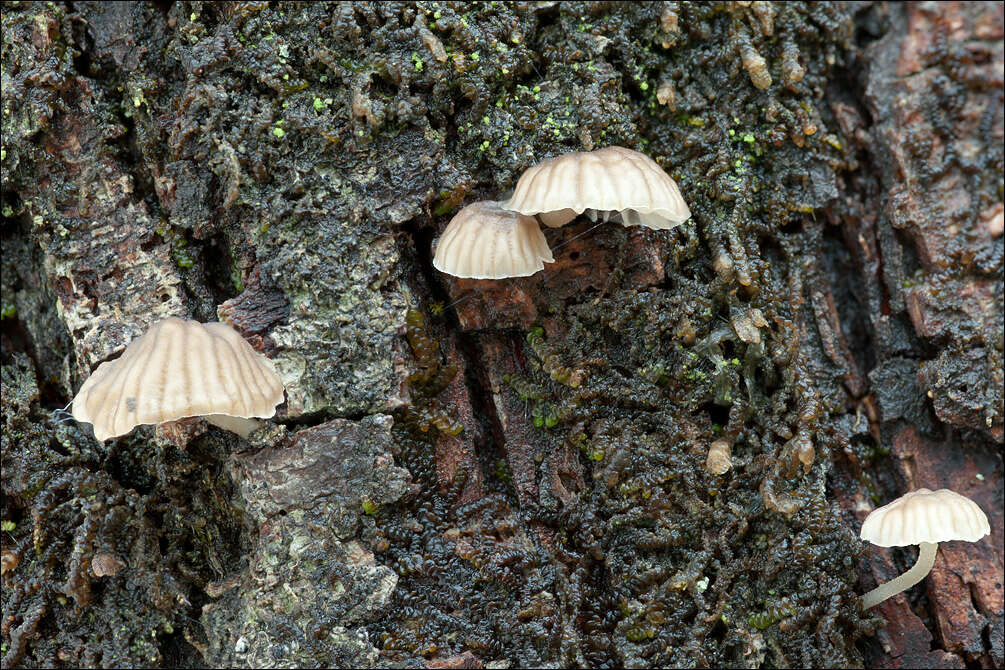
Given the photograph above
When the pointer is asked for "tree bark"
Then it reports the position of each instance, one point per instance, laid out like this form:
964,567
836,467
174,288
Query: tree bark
479,473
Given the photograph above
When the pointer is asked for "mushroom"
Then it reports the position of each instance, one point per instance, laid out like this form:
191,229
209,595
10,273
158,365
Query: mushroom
718,461
9,561
485,241
613,183
106,565
925,518
180,369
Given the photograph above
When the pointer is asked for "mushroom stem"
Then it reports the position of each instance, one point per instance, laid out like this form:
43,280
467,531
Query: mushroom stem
235,424
920,570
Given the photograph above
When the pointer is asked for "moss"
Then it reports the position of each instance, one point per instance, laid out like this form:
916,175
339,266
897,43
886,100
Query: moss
373,134
68,512
641,434
429,379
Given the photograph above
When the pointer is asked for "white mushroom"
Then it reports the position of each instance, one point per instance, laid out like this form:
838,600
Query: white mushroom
925,518
613,183
485,241
179,369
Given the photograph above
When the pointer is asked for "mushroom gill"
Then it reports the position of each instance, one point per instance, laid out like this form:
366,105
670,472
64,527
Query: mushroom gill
485,241
613,184
179,369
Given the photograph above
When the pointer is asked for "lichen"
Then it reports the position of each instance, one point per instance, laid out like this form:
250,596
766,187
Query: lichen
306,580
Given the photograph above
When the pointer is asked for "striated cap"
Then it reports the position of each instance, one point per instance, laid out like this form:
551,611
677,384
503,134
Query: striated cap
178,369
925,516
612,179
484,241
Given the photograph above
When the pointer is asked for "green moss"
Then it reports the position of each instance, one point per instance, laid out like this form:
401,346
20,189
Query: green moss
633,400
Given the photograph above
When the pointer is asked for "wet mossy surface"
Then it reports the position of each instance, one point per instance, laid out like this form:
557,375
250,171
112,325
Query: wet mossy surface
632,553
212,152
166,522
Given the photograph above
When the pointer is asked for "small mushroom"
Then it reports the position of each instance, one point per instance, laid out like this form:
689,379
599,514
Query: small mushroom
9,561
925,518
106,565
179,369
485,241
615,183
719,459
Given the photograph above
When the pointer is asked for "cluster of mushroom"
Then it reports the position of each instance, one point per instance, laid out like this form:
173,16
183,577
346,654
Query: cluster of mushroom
495,240
180,369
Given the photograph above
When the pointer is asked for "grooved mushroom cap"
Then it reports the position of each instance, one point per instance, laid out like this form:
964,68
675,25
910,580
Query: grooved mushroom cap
178,369
925,516
610,179
484,241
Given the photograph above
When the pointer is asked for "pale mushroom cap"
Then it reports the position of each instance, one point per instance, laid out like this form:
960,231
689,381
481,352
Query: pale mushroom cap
484,241
925,516
613,178
178,369
718,461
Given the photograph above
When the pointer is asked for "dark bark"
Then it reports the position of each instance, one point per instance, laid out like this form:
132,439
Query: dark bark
470,473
